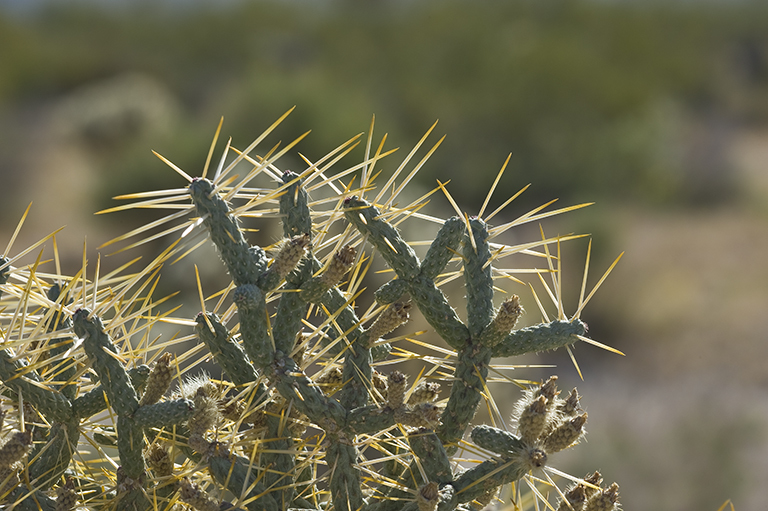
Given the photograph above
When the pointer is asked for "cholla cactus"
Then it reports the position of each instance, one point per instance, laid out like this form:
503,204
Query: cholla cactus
306,416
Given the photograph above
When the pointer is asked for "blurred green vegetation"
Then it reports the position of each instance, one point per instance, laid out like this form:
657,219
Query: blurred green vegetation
589,96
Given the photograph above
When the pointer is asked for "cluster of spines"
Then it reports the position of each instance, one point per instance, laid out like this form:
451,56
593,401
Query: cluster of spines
266,352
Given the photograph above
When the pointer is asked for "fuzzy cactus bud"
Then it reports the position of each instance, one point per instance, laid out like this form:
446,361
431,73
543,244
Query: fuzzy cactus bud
570,406
290,254
192,494
566,434
503,322
605,500
66,498
15,448
159,380
548,389
534,420
427,497
339,266
425,392
159,459
390,318
396,389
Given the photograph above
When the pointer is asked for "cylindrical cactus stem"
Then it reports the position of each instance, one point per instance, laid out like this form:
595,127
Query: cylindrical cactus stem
245,266
370,419
281,466
443,247
93,402
252,309
167,413
228,353
432,455
16,375
466,390
477,277
345,484
495,439
233,473
294,207
59,321
542,337
294,385
395,251
495,472
51,459
391,291
437,311
120,392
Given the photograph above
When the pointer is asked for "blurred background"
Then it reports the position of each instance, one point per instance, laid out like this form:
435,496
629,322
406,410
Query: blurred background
657,111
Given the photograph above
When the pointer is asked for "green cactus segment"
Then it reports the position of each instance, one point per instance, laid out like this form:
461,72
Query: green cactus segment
164,414
438,313
468,385
391,291
244,265
496,440
67,372
98,346
294,207
433,457
15,374
228,353
290,311
542,337
23,499
292,383
395,251
55,455
282,466
488,475
130,446
345,484
232,472
444,247
356,374
93,402
477,277
253,324
370,419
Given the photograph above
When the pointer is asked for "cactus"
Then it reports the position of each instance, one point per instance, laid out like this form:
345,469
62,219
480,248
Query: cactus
304,417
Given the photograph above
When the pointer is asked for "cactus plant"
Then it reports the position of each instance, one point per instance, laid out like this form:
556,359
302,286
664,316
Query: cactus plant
305,415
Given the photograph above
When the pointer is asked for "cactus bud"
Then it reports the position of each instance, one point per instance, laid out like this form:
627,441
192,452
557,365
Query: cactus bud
427,497
159,459
390,318
534,420
15,448
66,498
339,266
195,496
605,500
396,389
290,255
159,380
566,434
425,392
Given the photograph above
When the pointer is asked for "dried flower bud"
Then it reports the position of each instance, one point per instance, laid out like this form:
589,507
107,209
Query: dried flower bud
396,389
15,448
507,315
425,415
339,266
290,255
159,380
548,389
605,500
379,382
390,318
195,496
533,420
159,459
566,434
428,496
571,405
425,392
66,498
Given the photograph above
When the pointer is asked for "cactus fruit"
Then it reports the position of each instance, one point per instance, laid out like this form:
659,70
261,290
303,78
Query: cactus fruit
306,416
